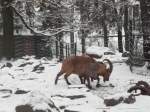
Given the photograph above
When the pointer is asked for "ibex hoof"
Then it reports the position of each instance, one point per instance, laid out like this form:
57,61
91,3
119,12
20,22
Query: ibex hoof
69,83
98,85
90,87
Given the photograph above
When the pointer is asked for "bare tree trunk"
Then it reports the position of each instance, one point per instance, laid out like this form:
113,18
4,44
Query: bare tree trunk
120,45
83,40
105,27
72,43
119,27
8,31
61,47
145,16
72,33
83,7
61,51
83,34
57,48
131,41
105,34
126,28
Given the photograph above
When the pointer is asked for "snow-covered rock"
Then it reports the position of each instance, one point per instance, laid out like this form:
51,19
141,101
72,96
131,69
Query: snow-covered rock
99,50
106,53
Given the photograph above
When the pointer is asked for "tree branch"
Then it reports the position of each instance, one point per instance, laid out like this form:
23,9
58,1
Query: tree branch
33,31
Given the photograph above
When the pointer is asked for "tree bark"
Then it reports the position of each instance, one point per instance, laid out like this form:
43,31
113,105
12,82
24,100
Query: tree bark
72,33
126,28
131,41
8,31
61,51
105,27
83,40
120,45
119,27
105,34
83,7
72,43
57,48
61,47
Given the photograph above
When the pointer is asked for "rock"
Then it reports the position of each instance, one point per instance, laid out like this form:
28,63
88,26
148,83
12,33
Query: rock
77,86
111,85
21,92
120,98
24,108
28,108
73,97
24,64
112,102
62,107
93,55
109,53
6,90
4,93
130,99
9,65
37,102
67,110
143,86
104,111
125,54
38,68
148,66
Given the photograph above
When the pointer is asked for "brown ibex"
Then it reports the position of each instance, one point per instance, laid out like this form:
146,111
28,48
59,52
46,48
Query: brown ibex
105,71
83,66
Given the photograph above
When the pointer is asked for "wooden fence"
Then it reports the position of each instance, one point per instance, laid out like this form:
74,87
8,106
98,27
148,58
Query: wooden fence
28,45
38,46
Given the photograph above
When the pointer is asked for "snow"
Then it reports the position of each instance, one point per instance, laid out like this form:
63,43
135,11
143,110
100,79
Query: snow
40,90
106,53
98,50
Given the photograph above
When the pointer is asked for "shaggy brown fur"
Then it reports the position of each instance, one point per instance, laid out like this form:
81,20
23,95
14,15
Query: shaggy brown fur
84,67
104,72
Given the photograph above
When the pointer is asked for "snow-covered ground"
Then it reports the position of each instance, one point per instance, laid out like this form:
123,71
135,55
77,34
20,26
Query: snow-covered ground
30,81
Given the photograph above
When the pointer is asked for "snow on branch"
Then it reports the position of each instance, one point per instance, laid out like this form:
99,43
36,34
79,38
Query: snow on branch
57,31
18,14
